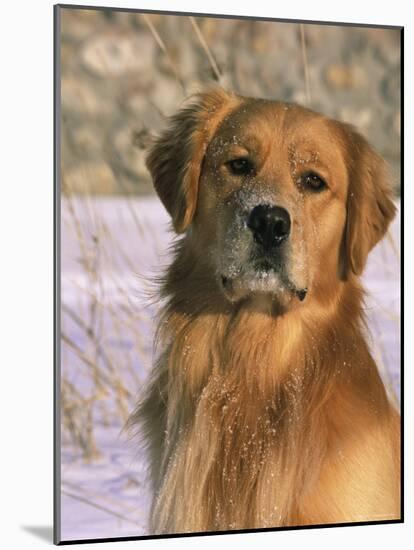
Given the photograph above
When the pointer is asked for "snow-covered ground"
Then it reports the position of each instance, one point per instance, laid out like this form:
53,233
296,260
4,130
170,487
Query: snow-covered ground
110,250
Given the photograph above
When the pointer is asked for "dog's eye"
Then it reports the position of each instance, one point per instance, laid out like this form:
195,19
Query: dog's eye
240,166
313,182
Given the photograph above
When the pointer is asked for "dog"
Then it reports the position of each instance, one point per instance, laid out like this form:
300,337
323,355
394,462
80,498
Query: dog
265,407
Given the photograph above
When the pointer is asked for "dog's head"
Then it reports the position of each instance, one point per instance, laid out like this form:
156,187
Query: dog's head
277,200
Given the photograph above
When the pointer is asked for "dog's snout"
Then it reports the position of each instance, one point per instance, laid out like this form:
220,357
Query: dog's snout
269,224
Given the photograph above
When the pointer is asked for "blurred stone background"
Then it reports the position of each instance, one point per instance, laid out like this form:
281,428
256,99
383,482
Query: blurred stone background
123,73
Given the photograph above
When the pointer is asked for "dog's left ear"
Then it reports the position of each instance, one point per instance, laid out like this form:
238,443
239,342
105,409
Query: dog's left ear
176,158
370,208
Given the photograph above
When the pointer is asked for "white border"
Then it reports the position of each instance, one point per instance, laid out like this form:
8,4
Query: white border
26,244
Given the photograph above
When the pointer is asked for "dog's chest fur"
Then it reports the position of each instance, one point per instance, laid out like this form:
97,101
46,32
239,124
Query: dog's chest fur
241,406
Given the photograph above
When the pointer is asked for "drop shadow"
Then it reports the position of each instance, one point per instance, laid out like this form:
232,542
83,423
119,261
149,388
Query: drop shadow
44,532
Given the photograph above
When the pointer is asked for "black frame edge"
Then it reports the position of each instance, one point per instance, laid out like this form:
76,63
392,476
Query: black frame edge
238,531
56,278
402,224
229,16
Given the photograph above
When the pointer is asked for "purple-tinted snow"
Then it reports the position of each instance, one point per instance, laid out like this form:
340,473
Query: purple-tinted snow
109,497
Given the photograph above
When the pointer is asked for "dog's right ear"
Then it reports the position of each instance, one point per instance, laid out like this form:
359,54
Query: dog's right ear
175,159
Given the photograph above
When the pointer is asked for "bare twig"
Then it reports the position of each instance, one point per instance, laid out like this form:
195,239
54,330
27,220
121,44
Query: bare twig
86,493
127,322
104,354
164,49
305,62
98,506
100,376
207,51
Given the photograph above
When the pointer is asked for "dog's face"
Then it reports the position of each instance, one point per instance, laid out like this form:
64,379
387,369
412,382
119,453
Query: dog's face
275,196
272,196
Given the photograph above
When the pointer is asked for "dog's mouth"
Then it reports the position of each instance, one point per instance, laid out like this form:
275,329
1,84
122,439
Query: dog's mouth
262,279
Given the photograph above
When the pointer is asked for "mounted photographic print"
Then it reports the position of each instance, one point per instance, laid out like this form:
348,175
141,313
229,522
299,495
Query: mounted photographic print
228,222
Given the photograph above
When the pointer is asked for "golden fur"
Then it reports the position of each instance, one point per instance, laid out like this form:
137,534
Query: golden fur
263,410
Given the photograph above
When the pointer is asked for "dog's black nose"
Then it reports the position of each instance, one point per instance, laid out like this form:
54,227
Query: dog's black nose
269,224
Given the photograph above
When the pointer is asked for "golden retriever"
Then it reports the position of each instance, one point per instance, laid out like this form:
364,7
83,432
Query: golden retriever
265,407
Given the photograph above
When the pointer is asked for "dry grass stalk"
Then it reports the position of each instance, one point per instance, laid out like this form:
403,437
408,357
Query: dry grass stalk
98,506
206,49
164,49
305,62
